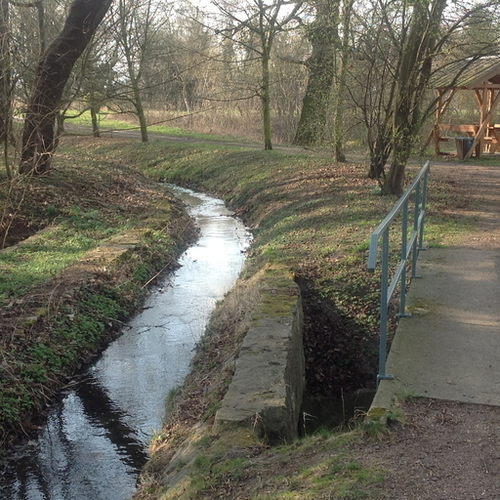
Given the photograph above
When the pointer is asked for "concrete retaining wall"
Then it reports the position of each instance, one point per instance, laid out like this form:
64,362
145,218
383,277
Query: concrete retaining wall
266,392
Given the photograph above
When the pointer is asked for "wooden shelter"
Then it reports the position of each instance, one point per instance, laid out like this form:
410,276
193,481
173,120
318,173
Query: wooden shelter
481,76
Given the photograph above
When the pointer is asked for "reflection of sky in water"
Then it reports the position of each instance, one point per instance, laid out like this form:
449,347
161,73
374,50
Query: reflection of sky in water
78,449
93,443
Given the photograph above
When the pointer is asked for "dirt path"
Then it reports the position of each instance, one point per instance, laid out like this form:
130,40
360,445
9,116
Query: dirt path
443,451
482,184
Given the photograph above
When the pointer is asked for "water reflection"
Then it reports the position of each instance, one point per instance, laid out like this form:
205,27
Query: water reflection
94,442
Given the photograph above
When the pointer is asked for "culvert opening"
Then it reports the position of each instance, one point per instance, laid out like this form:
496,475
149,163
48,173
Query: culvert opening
333,412
341,364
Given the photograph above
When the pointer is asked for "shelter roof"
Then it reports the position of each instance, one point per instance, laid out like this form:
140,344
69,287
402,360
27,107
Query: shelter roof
468,74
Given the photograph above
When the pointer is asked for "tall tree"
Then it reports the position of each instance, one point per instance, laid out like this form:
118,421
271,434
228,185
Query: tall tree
324,38
340,82
40,7
53,71
378,35
412,78
137,22
5,74
398,47
178,71
263,20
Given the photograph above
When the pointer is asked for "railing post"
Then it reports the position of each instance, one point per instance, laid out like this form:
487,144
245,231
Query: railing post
384,287
404,249
416,215
423,208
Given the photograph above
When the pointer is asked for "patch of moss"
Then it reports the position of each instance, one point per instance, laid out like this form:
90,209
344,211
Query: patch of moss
279,294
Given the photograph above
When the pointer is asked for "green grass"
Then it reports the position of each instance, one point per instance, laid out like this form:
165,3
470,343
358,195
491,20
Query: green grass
309,469
47,253
107,123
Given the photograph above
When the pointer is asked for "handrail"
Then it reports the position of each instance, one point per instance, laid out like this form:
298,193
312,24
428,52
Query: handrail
409,246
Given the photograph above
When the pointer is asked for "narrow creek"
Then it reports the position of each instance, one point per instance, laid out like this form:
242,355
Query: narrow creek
94,442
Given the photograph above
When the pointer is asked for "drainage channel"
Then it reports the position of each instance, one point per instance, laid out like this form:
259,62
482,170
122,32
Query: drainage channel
94,442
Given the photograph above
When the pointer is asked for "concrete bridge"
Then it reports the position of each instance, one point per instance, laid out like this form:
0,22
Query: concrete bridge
450,346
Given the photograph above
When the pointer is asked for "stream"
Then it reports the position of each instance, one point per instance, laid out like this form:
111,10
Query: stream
94,442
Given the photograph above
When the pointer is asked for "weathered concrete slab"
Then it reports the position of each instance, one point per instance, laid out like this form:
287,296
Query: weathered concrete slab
450,348
265,394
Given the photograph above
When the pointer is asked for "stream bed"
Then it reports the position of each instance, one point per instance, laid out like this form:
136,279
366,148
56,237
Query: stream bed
94,442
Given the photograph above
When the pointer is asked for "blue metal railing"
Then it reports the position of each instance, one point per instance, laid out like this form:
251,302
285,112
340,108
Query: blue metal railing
411,244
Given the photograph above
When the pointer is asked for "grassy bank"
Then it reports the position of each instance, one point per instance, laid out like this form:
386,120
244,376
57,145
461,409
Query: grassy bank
98,232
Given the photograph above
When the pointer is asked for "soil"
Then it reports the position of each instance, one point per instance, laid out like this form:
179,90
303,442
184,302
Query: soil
441,451
481,185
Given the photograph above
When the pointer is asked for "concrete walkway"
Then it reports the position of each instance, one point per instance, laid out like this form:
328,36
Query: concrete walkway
450,347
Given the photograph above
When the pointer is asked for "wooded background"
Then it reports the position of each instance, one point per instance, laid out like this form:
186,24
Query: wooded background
351,75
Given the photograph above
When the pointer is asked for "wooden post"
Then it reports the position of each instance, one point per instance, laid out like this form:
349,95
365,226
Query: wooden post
485,117
442,104
439,114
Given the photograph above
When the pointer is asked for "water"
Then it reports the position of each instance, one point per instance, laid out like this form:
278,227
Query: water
94,442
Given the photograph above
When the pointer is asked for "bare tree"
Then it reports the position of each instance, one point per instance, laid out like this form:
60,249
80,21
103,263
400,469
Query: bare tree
53,71
5,74
413,75
136,28
40,7
373,78
398,48
340,82
263,21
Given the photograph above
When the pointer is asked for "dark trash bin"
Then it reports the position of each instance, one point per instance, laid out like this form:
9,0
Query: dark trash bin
463,146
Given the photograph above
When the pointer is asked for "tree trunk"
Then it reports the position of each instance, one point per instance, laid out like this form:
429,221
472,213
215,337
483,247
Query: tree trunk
415,69
323,36
380,150
140,111
394,181
51,76
5,75
41,27
340,85
126,12
94,111
266,101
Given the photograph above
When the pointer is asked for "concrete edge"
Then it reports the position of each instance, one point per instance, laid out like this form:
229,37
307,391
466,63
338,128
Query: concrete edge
265,394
